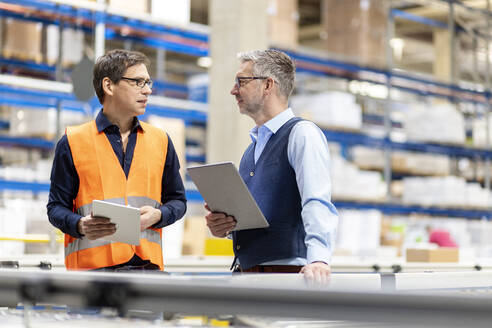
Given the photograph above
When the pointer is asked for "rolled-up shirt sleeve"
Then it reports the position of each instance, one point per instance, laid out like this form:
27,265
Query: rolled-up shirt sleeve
309,156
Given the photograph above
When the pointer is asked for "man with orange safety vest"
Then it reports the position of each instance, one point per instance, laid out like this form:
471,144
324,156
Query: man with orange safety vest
119,159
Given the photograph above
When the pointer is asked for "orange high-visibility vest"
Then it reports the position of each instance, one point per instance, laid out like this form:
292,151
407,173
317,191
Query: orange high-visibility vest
102,177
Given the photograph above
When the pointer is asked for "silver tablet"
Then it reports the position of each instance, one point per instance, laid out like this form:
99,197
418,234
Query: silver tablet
224,191
126,218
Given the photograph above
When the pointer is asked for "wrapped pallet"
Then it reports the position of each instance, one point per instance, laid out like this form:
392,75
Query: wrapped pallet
22,40
331,109
439,123
356,30
359,232
72,45
35,122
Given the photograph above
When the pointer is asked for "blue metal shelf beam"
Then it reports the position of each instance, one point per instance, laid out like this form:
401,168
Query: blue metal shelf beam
426,87
164,85
36,4
154,28
187,115
351,138
24,186
50,69
195,158
159,43
409,209
30,65
193,195
16,96
38,99
30,18
417,19
192,43
26,142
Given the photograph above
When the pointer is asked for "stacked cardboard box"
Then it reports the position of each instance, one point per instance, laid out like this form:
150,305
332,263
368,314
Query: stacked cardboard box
176,130
356,29
22,40
194,235
283,22
134,6
442,255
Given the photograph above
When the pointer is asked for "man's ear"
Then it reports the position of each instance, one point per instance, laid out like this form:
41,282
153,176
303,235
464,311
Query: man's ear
107,86
269,85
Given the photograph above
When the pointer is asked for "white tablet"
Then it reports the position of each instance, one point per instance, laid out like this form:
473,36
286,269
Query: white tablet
126,218
224,191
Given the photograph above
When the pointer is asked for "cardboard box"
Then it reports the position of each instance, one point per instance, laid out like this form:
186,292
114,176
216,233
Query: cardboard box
133,6
440,255
283,19
22,40
176,130
194,236
356,29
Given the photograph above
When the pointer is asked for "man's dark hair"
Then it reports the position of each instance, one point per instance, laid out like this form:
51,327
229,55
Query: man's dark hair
114,65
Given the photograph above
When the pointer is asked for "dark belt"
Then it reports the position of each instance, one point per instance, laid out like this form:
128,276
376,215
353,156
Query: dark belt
131,268
273,269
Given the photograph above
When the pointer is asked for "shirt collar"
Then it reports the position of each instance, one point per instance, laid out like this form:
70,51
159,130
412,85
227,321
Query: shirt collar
274,124
102,122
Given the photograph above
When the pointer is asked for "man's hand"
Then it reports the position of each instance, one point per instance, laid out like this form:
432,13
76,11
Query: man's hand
149,216
219,223
95,227
317,273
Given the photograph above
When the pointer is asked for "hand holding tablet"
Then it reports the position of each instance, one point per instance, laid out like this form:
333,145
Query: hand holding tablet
224,191
126,218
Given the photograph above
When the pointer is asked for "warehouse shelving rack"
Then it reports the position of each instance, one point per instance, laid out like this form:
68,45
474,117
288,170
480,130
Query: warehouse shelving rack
318,65
194,41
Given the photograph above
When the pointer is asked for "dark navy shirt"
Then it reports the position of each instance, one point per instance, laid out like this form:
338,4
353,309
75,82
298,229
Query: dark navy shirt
65,180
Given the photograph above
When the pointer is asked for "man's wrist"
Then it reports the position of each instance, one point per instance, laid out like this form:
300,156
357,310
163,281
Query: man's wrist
157,217
79,227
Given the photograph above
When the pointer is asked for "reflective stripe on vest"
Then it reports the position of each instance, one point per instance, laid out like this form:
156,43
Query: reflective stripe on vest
101,177
83,243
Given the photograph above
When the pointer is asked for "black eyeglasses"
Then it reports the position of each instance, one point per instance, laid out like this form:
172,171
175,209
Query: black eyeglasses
241,80
140,82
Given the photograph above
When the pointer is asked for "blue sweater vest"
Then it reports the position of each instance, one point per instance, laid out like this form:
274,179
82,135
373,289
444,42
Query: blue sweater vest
272,182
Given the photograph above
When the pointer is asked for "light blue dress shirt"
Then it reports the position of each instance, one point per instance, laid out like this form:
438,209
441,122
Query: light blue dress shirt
309,156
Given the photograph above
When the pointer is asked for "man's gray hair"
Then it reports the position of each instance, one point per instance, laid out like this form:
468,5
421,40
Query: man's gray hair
275,64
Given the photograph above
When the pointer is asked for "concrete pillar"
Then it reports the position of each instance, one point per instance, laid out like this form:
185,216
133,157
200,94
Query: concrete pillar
236,26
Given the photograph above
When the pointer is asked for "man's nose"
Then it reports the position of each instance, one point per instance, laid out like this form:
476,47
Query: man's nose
146,90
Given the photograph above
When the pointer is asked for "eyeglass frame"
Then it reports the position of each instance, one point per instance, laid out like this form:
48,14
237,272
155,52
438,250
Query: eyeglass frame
145,82
238,79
